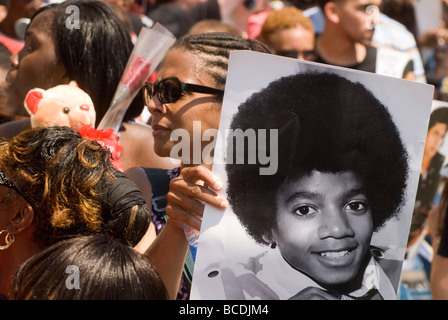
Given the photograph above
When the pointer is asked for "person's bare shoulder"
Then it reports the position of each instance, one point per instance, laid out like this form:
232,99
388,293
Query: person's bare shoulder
137,140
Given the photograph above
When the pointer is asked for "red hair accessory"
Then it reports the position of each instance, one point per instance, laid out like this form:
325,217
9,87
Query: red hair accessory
106,138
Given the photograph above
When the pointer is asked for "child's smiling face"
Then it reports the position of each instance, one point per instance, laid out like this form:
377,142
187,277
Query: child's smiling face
324,225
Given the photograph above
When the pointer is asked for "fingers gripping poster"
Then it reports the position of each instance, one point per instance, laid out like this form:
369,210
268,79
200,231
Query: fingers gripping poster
320,165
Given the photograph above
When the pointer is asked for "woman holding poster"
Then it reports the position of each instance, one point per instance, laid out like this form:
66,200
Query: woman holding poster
186,99
332,221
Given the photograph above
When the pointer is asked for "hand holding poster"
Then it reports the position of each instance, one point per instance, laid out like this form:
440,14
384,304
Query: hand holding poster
329,216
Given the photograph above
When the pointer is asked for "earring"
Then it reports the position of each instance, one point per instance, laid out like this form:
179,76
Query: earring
273,245
9,239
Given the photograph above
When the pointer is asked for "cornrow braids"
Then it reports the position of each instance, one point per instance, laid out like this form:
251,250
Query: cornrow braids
214,49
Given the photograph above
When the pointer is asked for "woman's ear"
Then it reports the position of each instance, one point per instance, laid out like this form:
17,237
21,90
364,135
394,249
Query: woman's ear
331,12
23,218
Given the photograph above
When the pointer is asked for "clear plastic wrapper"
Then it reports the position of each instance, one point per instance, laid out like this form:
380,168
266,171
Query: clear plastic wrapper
151,46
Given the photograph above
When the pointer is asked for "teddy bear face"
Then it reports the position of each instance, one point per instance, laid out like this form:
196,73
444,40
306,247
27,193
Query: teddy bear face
63,105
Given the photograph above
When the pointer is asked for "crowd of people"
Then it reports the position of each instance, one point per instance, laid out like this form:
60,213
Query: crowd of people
63,203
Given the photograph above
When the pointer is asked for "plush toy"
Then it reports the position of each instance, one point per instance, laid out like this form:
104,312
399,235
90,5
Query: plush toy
68,105
63,105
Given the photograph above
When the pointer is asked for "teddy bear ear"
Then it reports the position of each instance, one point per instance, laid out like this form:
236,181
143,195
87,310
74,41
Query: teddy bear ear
32,100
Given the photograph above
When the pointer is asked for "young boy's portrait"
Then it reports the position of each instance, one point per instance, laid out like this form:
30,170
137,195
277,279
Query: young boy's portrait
332,220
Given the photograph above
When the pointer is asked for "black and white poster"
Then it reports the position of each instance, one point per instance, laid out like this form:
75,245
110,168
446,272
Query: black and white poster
320,165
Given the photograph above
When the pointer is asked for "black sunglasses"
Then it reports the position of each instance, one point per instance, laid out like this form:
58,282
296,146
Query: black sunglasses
169,90
307,54
12,185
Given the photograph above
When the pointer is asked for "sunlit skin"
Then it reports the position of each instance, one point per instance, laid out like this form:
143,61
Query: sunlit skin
191,107
324,226
356,20
348,27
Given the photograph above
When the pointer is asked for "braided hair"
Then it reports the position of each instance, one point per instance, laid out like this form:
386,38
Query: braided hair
214,49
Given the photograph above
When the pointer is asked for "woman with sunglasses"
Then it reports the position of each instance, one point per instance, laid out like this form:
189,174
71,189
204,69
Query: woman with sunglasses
189,89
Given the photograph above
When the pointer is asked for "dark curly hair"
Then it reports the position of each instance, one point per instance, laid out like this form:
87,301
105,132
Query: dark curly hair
325,123
72,186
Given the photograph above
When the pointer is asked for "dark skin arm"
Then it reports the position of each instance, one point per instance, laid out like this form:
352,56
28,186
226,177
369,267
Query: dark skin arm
169,249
